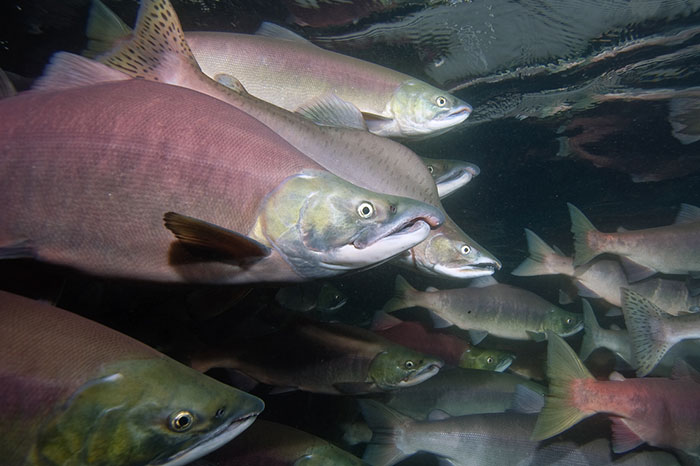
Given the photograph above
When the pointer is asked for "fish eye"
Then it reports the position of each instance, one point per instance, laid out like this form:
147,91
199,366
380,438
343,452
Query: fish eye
365,210
431,169
181,421
441,101
489,360
569,320
465,249
220,412
409,364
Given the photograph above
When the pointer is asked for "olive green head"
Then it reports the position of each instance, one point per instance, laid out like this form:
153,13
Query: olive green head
324,225
144,412
562,322
420,109
486,359
402,367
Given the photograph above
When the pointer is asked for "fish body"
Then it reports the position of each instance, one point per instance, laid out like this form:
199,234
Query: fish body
502,310
450,348
76,392
354,155
459,392
94,196
450,175
274,444
495,439
311,296
663,412
672,249
324,358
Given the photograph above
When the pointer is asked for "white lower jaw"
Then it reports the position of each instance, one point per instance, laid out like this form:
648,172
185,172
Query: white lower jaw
206,447
349,257
463,272
446,188
422,377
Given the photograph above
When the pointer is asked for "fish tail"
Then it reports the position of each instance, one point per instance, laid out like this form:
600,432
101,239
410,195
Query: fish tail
386,425
581,227
645,324
563,369
104,30
538,262
592,329
402,296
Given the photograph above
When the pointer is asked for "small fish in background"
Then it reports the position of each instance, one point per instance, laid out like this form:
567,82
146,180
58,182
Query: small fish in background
663,412
652,331
74,390
319,357
489,307
271,443
321,296
603,278
672,249
450,348
594,336
450,175
368,161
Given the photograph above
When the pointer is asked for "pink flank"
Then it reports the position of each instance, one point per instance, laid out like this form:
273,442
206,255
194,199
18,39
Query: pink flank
415,336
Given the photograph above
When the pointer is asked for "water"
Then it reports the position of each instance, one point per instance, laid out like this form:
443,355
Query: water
527,173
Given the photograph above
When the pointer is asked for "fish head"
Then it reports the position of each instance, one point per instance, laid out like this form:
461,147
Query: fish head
450,175
323,225
150,412
330,298
562,322
419,109
486,359
402,367
449,252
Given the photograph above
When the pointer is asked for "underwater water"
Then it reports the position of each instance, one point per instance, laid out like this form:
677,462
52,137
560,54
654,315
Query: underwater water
604,116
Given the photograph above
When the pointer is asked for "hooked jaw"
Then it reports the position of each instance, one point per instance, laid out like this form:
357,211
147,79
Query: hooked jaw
486,266
421,376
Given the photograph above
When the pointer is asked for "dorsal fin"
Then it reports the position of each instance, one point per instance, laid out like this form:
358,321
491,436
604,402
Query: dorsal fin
687,214
67,70
275,31
104,30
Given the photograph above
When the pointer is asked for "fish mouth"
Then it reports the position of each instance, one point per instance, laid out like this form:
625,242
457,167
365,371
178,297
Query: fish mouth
573,331
505,364
422,375
407,228
460,112
458,175
215,439
468,271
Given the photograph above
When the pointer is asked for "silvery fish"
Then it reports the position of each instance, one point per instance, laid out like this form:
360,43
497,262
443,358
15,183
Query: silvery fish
368,161
672,249
181,187
488,307
450,175
280,67
663,412
76,392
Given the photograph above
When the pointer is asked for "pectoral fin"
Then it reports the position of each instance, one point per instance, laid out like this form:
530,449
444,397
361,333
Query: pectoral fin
537,336
476,336
623,439
634,271
331,110
18,250
214,241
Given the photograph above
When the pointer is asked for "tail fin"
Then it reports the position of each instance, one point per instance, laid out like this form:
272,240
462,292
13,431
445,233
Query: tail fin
402,296
645,323
563,368
386,424
581,227
104,30
540,261
591,332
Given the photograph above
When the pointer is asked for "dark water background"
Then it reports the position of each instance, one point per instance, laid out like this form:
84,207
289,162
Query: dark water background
523,184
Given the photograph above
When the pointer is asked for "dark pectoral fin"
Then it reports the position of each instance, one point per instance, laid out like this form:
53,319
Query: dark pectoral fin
634,271
214,242
536,336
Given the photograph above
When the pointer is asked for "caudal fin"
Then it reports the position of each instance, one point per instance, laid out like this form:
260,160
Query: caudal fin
581,227
543,259
645,323
104,30
386,425
563,368
402,296
592,330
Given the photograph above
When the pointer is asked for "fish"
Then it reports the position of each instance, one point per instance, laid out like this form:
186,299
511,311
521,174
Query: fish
488,307
450,175
494,439
450,348
617,341
460,392
663,412
603,278
319,357
205,193
310,296
366,160
76,392
672,249
272,443
653,332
